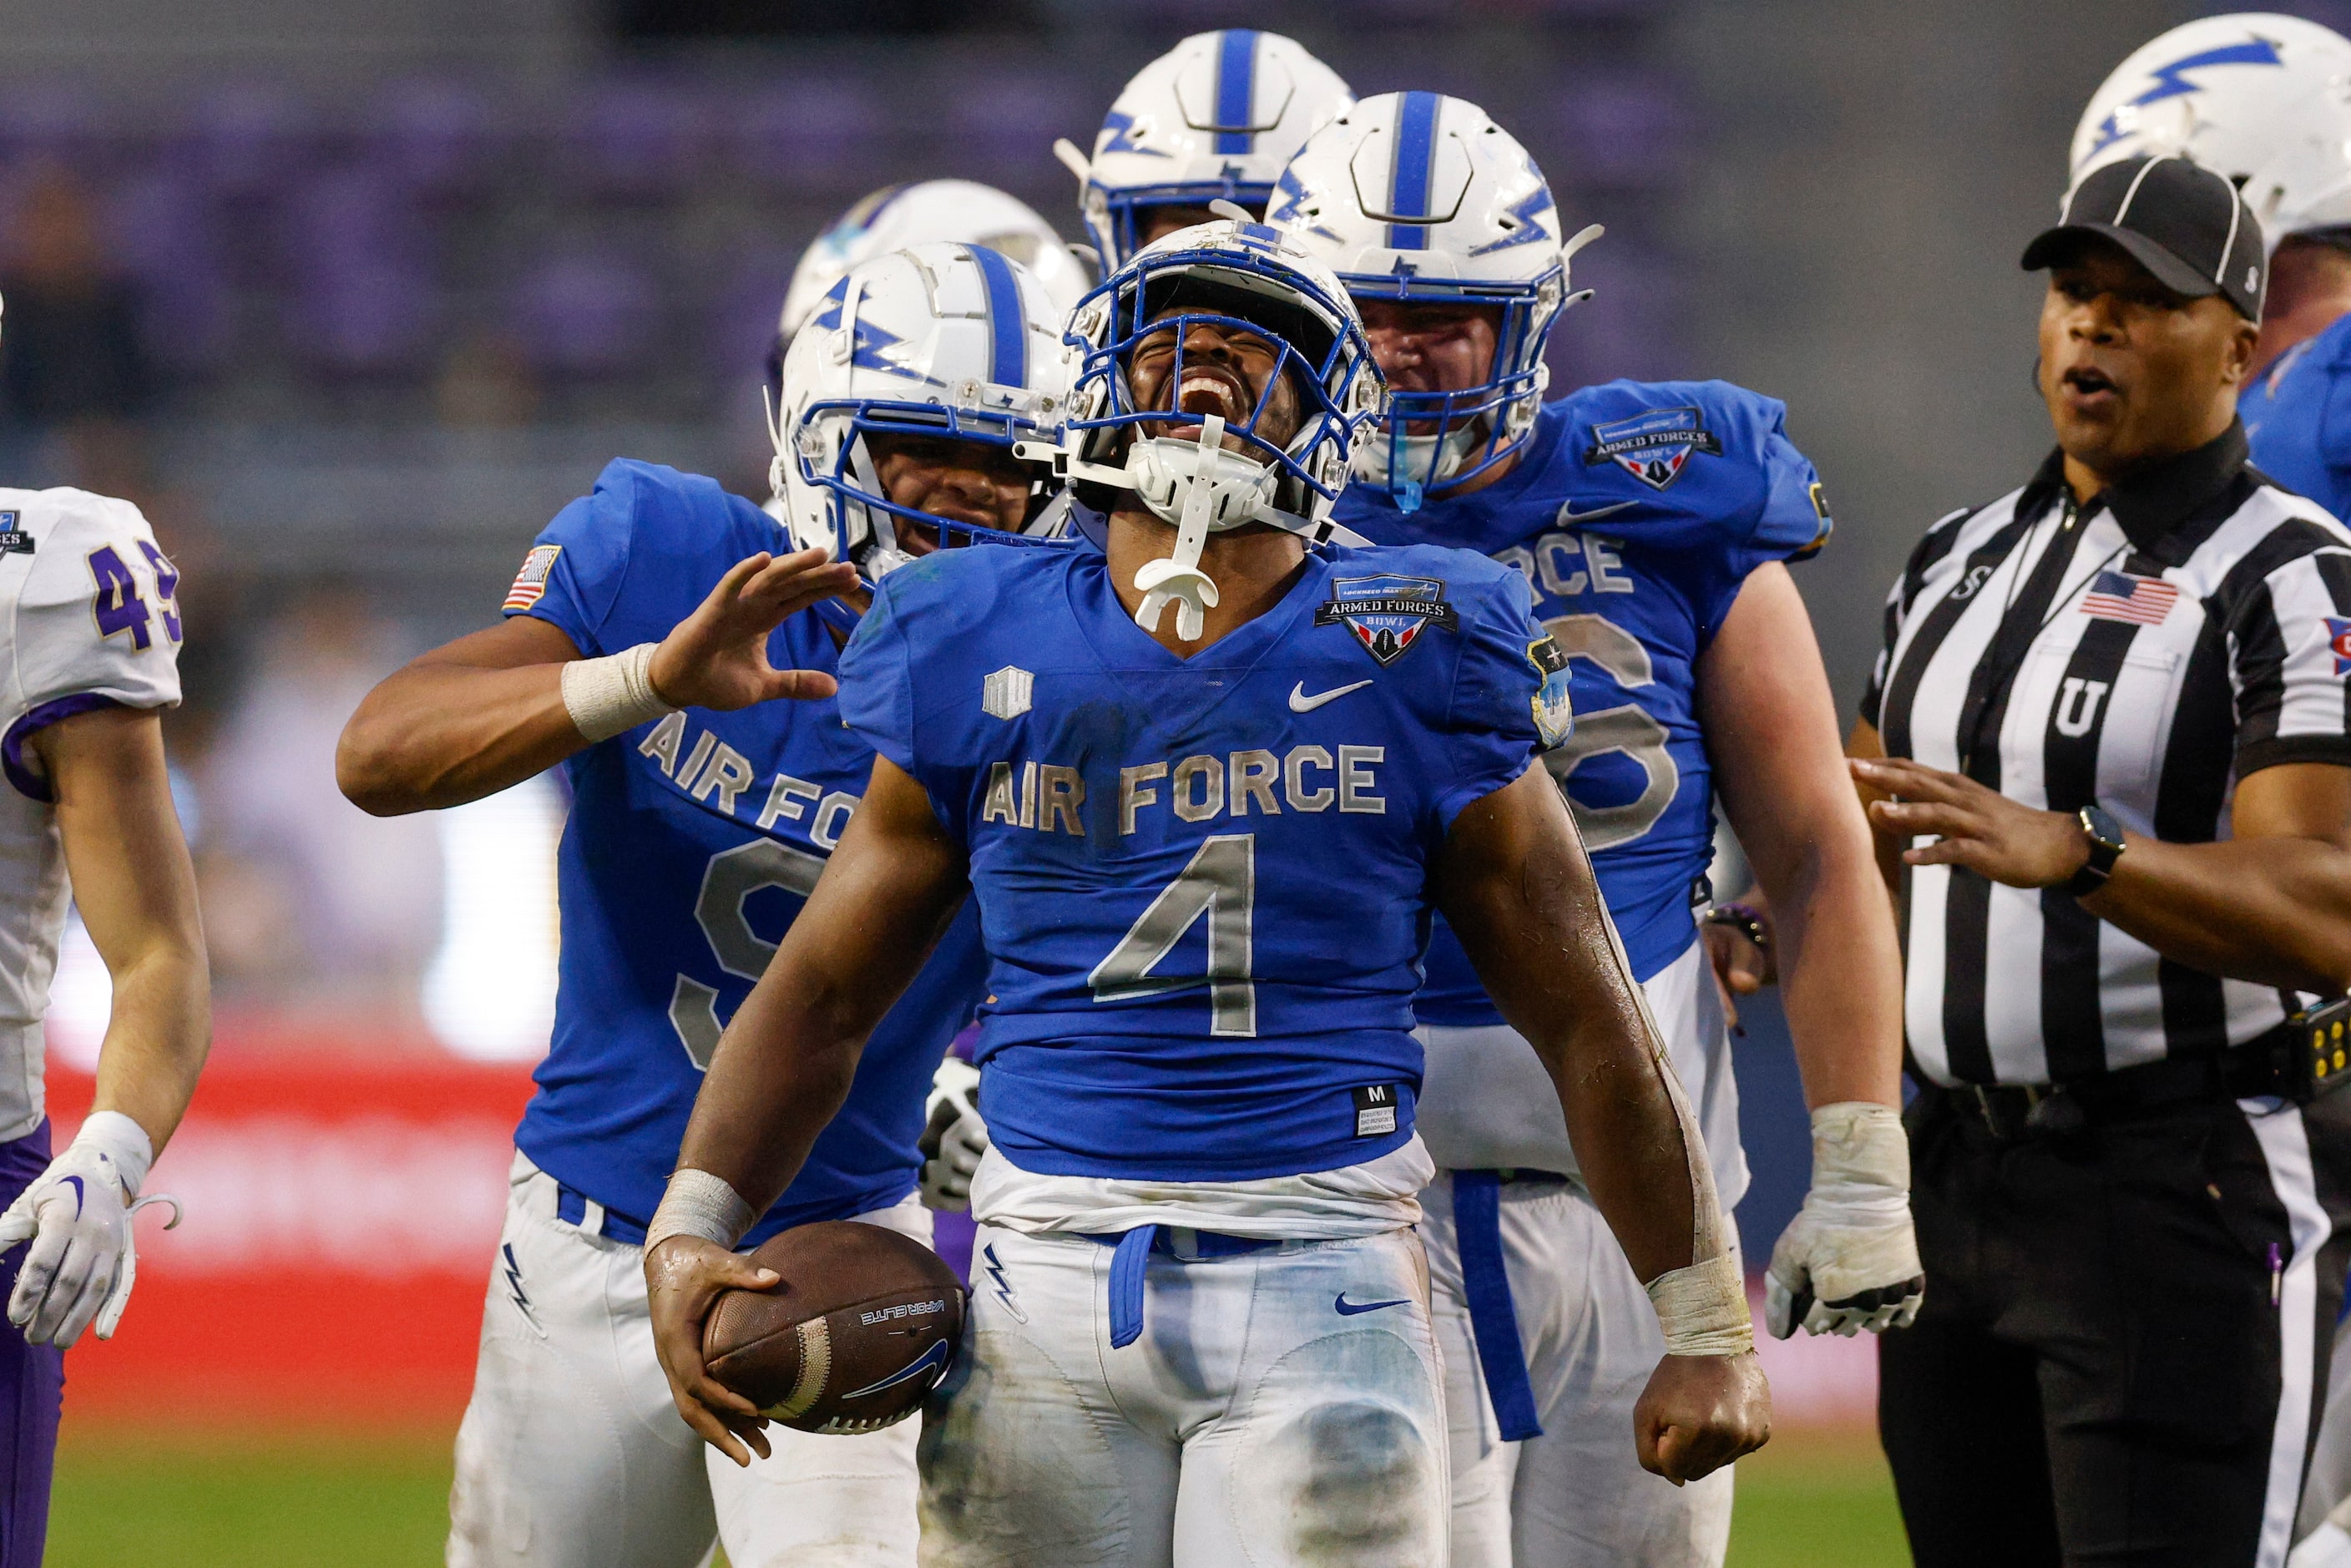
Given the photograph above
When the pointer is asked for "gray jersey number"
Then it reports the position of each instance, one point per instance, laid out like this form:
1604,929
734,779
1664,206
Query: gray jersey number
1221,884
732,877
1628,729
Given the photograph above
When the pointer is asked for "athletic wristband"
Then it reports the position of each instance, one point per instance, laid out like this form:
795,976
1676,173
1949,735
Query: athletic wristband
608,695
1859,1150
1703,1309
699,1204
121,1140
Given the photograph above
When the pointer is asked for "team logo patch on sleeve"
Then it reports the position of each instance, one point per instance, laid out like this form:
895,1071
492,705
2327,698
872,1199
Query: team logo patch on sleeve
2339,640
1387,612
1554,714
1653,446
531,583
14,537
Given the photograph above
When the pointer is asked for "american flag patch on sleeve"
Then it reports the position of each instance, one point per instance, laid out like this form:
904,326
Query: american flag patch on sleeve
2121,596
531,583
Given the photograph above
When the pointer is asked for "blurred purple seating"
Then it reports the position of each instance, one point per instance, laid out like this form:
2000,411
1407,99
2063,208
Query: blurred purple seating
743,315
1627,327
812,133
1622,132
1003,121
250,140
44,121
350,215
438,138
636,140
161,229
362,317
587,314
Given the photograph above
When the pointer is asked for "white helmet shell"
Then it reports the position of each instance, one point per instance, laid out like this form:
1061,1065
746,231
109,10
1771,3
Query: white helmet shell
1214,118
963,211
2262,99
1421,197
940,340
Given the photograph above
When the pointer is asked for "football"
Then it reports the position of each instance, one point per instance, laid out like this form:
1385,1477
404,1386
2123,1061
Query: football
863,1326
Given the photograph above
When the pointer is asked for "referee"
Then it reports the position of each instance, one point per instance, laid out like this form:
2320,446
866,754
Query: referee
2107,736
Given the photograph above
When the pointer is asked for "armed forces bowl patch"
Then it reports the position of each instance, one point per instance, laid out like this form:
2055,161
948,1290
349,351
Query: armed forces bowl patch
1554,714
1652,446
14,537
531,583
1387,612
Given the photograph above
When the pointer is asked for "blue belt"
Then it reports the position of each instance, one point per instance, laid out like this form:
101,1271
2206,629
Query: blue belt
572,1207
1126,1264
1493,1319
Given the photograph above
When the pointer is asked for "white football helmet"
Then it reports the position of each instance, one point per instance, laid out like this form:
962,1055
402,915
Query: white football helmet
940,340
1421,197
898,216
1215,118
1234,274
2262,99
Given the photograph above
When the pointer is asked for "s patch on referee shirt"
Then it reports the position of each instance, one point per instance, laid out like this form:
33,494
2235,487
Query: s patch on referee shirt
531,583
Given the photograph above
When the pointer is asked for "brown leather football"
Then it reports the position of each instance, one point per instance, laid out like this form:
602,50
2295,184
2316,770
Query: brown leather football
863,1326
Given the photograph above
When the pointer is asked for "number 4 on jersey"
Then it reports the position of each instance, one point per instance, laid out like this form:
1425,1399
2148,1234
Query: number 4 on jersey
118,604
1221,884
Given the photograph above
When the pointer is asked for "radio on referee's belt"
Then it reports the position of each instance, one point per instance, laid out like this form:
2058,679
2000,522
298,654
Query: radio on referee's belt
2316,1047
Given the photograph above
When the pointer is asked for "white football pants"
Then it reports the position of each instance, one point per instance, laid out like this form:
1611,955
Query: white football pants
1577,1497
572,1456
1281,1407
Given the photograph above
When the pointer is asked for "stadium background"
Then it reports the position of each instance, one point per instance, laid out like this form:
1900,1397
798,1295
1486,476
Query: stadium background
379,288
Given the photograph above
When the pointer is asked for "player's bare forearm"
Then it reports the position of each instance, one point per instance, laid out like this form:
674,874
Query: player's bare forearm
1515,884
787,1059
1771,731
137,893
466,720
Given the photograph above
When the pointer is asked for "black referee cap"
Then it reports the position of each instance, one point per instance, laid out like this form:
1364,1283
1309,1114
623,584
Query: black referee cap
2184,222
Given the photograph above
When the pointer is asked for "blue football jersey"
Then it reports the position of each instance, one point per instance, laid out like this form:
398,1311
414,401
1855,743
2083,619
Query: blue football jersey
1636,513
692,844
2298,418
1203,881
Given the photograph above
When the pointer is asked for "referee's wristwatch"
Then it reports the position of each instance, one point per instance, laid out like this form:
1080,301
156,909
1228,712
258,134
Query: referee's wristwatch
2106,837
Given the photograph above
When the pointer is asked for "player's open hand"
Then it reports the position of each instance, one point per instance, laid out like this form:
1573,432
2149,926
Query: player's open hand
717,657
1975,827
1699,1413
683,1279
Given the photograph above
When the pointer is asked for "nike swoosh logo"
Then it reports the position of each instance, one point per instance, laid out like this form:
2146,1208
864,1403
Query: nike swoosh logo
1569,516
1348,1309
1300,703
74,1182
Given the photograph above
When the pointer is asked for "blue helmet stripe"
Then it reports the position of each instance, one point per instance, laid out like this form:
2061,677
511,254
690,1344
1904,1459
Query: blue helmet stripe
1415,155
1007,329
1236,89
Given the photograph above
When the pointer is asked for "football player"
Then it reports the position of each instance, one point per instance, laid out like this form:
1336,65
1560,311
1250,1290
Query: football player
1214,118
1651,522
90,653
1208,783
703,810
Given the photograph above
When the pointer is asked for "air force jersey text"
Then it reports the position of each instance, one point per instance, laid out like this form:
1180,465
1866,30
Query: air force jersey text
1204,881
692,843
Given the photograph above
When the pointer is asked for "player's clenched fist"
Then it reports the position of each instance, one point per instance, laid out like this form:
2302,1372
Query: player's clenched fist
685,1276
717,657
1699,1413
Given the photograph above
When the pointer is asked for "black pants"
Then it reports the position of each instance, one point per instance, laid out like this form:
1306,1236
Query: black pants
2099,1374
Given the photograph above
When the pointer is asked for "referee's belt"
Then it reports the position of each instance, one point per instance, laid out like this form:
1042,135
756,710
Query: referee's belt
2260,1066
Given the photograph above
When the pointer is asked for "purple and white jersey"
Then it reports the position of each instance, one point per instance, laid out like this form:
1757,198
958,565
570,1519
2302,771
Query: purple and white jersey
88,619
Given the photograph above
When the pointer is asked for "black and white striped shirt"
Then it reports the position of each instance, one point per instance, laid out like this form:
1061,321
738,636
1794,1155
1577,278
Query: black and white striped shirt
2189,627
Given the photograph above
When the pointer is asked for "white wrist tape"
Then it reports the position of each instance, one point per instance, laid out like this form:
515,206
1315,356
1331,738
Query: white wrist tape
121,1140
699,1204
606,696
1703,1309
1860,1154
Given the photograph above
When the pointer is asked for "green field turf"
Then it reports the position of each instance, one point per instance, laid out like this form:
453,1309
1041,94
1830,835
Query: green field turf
242,1500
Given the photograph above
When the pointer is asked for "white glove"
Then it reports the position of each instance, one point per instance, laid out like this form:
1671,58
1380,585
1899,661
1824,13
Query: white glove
2328,1546
954,1137
1849,1260
78,1215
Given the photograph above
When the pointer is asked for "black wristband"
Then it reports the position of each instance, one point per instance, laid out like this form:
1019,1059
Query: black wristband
2106,837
